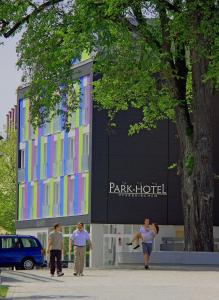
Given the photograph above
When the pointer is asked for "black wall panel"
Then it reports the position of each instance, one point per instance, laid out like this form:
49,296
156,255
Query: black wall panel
142,159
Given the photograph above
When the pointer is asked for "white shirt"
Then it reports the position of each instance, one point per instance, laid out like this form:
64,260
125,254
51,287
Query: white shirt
80,237
147,235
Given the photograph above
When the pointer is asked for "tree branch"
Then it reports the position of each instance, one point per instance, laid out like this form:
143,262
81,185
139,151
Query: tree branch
25,19
171,6
179,68
142,21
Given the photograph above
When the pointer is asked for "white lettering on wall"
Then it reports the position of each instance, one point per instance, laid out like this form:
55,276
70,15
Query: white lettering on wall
137,190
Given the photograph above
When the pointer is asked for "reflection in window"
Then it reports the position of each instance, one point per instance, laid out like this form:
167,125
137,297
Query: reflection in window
29,242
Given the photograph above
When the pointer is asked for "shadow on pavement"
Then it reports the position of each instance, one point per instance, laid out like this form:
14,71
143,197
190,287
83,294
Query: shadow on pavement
50,297
15,276
185,268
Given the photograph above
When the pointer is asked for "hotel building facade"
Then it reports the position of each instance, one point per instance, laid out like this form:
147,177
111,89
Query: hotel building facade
98,175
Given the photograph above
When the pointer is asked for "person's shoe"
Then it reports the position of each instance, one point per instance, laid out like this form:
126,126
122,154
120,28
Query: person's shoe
129,244
146,267
136,247
81,274
52,275
75,274
60,274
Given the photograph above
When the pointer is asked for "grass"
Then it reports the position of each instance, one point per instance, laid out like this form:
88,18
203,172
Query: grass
3,291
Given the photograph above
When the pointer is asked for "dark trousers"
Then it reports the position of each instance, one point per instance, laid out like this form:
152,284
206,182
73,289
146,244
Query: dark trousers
55,261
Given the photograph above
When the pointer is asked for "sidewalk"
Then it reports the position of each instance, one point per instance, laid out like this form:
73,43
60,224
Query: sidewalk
116,284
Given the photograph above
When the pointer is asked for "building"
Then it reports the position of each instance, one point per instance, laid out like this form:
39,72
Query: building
11,119
97,175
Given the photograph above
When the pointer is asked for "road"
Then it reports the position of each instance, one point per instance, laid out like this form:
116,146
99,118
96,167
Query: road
116,284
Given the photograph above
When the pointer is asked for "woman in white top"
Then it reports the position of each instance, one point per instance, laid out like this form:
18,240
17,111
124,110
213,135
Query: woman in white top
147,234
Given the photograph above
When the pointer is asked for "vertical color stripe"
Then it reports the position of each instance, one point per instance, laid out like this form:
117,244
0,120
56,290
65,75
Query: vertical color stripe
58,158
76,158
69,196
65,196
38,158
51,196
26,167
48,163
39,199
81,96
29,159
87,195
34,201
53,159
26,119
29,200
42,167
21,119
75,202
80,195
42,196
20,203
25,201
80,149
88,100
61,205
65,156
33,158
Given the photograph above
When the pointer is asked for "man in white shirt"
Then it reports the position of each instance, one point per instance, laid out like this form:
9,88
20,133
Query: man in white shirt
78,239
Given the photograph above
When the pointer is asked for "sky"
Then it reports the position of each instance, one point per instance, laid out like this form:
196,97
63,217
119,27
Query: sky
10,78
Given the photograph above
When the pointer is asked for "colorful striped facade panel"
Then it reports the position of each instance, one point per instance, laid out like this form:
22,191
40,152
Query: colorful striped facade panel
55,164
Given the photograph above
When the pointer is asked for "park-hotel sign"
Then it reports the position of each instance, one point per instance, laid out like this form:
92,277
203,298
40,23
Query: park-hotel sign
137,190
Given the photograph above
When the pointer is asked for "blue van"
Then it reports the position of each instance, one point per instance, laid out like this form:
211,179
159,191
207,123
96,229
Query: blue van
21,251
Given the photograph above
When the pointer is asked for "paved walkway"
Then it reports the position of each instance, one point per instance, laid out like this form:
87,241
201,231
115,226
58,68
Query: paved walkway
115,284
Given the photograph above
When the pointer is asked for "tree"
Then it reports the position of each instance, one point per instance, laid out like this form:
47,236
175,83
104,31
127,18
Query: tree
8,182
160,56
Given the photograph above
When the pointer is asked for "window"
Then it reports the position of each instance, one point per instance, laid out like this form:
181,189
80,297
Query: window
46,195
73,120
35,154
23,199
29,242
84,192
45,153
86,144
22,159
32,199
71,143
8,243
55,151
56,192
62,149
42,237
71,194
57,123
24,116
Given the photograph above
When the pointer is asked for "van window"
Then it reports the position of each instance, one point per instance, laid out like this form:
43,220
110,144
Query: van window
10,242
29,242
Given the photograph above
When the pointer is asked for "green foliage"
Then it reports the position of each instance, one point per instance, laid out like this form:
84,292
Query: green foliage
189,163
173,166
8,182
138,46
127,48
3,291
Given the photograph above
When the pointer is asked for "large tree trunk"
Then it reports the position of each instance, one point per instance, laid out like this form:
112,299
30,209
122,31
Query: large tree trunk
203,179
197,182
195,162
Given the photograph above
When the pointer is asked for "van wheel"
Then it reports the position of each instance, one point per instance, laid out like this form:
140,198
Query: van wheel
28,264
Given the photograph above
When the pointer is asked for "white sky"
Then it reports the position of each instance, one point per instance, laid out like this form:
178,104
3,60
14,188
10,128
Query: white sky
10,78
